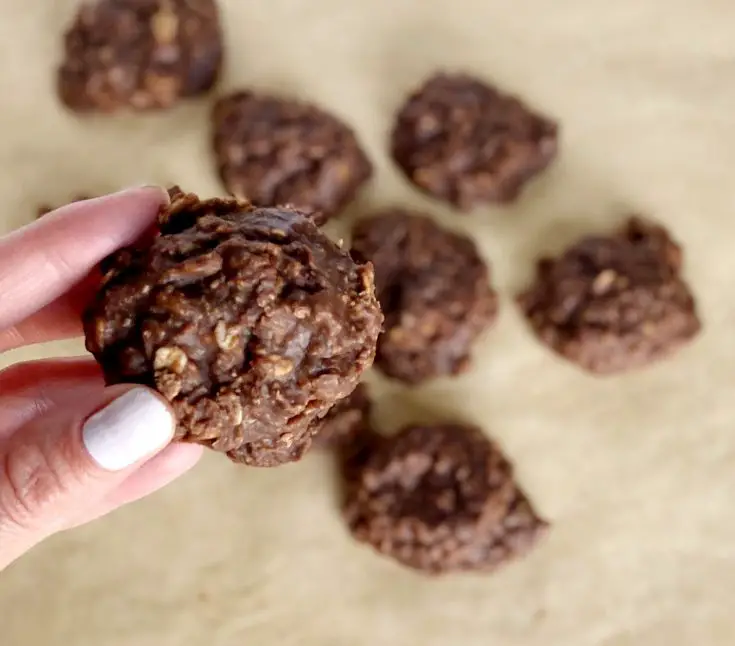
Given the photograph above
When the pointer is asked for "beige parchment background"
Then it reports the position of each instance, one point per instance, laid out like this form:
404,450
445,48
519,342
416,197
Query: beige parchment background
637,473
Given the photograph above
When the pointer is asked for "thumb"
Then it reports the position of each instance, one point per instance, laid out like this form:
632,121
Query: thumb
61,463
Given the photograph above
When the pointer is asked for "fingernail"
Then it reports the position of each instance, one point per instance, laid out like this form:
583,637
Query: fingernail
136,186
134,426
165,197
145,187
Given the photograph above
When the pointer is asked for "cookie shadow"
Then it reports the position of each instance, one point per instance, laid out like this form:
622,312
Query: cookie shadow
401,407
339,228
581,201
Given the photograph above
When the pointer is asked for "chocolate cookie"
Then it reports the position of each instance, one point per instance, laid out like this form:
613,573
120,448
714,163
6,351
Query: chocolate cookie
441,499
345,419
464,142
47,208
613,303
434,289
279,151
140,54
250,321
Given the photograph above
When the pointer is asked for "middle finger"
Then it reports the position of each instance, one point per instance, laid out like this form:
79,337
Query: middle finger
60,319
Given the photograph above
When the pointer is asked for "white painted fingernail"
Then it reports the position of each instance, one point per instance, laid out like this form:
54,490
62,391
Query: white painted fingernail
134,426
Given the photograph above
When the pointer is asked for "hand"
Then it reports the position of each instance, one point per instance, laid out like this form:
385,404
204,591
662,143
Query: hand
72,450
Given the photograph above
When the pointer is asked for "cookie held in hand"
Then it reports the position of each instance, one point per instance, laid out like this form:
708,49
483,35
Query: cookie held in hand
250,321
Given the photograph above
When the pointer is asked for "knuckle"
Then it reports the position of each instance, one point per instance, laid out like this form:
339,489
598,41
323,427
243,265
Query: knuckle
58,265
30,484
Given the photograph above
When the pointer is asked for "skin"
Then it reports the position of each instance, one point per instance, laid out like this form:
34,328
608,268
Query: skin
48,482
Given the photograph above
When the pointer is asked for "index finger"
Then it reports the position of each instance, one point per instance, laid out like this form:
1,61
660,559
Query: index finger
60,319
43,260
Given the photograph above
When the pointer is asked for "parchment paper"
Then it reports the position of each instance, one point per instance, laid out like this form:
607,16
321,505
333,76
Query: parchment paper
636,473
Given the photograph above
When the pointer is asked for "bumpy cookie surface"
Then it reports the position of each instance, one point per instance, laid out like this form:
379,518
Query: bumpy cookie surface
250,321
276,151
434,288
463,142
614,303
139,54
440,499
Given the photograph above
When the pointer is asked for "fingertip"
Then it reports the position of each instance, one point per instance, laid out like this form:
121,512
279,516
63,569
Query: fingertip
122,218
149,197
153,193
163,469
177,458
128,213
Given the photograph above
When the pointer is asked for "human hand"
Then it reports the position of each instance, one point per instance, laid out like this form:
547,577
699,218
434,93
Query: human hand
72,450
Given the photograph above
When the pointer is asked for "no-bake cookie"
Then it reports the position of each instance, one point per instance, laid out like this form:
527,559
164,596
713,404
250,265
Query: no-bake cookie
441,499
250,321
434,289
614,303
276,151
463,142
139,54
